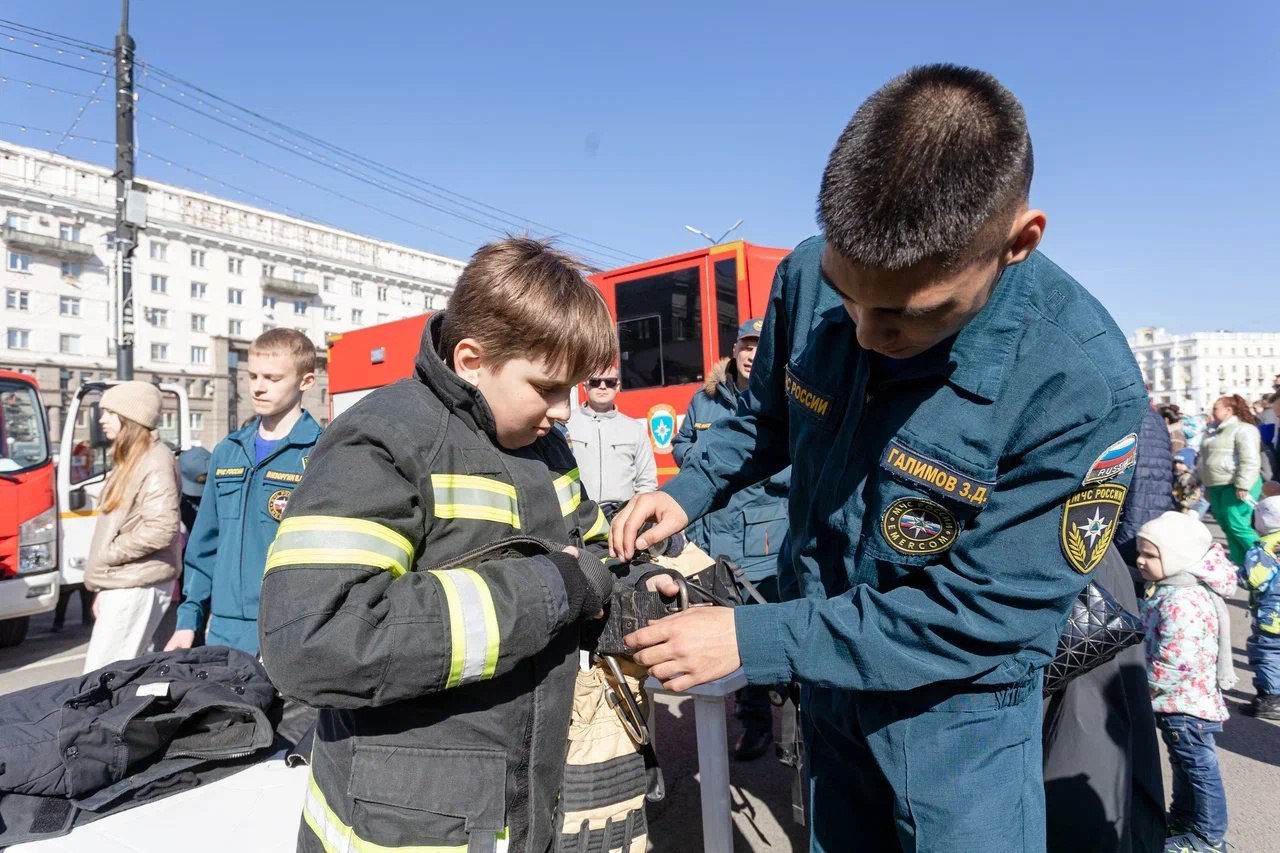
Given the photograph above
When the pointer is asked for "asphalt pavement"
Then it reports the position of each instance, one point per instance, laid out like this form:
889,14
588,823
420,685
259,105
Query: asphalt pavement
760,790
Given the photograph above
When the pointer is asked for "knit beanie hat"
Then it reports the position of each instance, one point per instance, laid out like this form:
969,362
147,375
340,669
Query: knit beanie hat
137,401
1266,518
1181,539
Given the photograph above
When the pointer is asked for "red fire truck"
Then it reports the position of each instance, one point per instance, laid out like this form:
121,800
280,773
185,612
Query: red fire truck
676,316
28,509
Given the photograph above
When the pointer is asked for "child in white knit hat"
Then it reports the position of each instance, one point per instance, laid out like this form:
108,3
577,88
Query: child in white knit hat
1188,646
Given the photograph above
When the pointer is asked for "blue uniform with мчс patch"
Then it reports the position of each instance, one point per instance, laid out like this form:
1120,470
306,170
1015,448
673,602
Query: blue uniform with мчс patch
240,510
944,513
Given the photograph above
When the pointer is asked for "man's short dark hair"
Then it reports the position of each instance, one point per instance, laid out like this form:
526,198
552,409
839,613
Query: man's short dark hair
925,165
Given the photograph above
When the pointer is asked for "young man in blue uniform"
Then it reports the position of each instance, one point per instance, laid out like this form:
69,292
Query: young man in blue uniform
253,473
959,416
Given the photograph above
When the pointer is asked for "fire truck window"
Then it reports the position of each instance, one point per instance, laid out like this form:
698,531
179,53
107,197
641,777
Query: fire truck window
87,462
23,443
660,329
727,304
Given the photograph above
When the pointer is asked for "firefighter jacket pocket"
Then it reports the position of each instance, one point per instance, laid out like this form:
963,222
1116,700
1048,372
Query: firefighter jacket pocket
415,797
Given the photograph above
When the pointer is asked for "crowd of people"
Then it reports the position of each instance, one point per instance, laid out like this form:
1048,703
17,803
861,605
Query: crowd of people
921,410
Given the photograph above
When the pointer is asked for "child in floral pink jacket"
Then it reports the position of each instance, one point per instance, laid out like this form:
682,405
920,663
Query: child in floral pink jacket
1188,647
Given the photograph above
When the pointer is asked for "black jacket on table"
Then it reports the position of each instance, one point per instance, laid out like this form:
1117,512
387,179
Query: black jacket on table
443,664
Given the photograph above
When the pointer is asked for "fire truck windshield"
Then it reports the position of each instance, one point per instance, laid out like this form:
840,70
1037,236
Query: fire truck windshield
24,443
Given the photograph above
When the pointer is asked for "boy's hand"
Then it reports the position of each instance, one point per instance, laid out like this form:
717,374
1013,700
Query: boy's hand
183,639
660,508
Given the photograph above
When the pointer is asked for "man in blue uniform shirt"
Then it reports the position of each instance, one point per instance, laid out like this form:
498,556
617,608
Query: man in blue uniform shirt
959,415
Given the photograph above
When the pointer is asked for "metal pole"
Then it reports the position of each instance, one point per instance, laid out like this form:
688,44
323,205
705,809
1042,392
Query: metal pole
126,233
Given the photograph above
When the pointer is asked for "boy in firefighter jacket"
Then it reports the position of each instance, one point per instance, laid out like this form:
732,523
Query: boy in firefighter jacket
425,591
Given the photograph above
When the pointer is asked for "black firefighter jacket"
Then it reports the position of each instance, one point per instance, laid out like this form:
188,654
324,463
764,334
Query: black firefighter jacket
89,743
444,666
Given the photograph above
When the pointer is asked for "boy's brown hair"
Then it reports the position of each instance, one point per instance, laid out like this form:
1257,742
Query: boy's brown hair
289,342
520,298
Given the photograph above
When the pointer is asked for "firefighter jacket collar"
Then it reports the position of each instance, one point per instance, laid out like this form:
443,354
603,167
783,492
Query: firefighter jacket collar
460,397
304,433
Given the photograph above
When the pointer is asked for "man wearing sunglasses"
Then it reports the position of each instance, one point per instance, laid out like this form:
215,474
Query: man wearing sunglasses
612,450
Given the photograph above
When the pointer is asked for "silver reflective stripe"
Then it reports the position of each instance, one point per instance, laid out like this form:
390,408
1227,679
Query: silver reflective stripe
340,540
473,624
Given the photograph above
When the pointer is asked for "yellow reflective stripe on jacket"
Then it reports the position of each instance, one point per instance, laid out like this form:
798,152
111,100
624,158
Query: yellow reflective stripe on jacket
569,490
473,626
474,497
337,837
599,530
333,540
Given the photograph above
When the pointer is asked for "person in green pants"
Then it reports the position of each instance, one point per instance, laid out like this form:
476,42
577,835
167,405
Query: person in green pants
1230,469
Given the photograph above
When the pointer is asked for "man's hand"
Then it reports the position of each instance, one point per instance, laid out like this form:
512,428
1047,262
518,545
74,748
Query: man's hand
658,507
1242,494
183,639
688,648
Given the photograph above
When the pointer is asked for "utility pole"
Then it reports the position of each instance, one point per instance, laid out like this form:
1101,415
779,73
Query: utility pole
126,220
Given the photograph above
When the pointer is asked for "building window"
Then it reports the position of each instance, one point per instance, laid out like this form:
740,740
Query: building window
159,251
357,316
159,352
69,306
233,327
235,296
18,222
19,339
382,317
69,232
328,284
197,421
268,270
300,308
159,284
111,241
299,275
382,293
17,300
158,317
197,257
357,289
330,312
197,322
69,344
71,269
268,301
199,290
199,355
19,262
235,266
167,420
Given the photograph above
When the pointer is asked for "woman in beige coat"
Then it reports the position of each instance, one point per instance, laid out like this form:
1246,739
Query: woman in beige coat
135,554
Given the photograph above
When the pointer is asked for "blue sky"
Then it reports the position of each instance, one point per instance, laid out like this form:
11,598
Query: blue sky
1155,126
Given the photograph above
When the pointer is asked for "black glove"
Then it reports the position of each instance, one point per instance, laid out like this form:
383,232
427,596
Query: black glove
587,583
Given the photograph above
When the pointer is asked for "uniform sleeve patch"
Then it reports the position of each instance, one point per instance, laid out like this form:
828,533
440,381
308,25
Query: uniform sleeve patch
282,477
228,472
1113,461
1089,524
917,526
813,402
935,476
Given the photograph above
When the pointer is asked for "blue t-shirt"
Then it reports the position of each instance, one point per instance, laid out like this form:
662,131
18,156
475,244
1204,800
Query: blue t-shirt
263,447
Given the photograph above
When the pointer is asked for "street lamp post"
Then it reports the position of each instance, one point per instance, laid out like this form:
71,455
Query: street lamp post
712,240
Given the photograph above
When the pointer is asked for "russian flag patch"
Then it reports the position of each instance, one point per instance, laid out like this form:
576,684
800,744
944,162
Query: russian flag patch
1113,461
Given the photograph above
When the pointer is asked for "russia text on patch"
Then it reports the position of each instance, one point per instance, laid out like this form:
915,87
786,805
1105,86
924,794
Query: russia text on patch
1113,461
933,475
228,472
807,398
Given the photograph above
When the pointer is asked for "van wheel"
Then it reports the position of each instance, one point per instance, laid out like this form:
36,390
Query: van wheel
13,631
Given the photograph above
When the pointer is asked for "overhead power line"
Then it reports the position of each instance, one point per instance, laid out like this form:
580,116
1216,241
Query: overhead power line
56,62
380,167
46,35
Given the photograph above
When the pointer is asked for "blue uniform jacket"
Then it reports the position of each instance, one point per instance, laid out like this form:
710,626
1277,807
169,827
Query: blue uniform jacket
227,551
940,520
750,530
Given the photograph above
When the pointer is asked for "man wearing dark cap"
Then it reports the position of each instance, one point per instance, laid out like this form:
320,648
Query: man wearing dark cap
193,465
751,528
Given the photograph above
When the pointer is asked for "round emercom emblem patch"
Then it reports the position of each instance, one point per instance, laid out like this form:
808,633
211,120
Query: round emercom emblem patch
918,526
278,502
